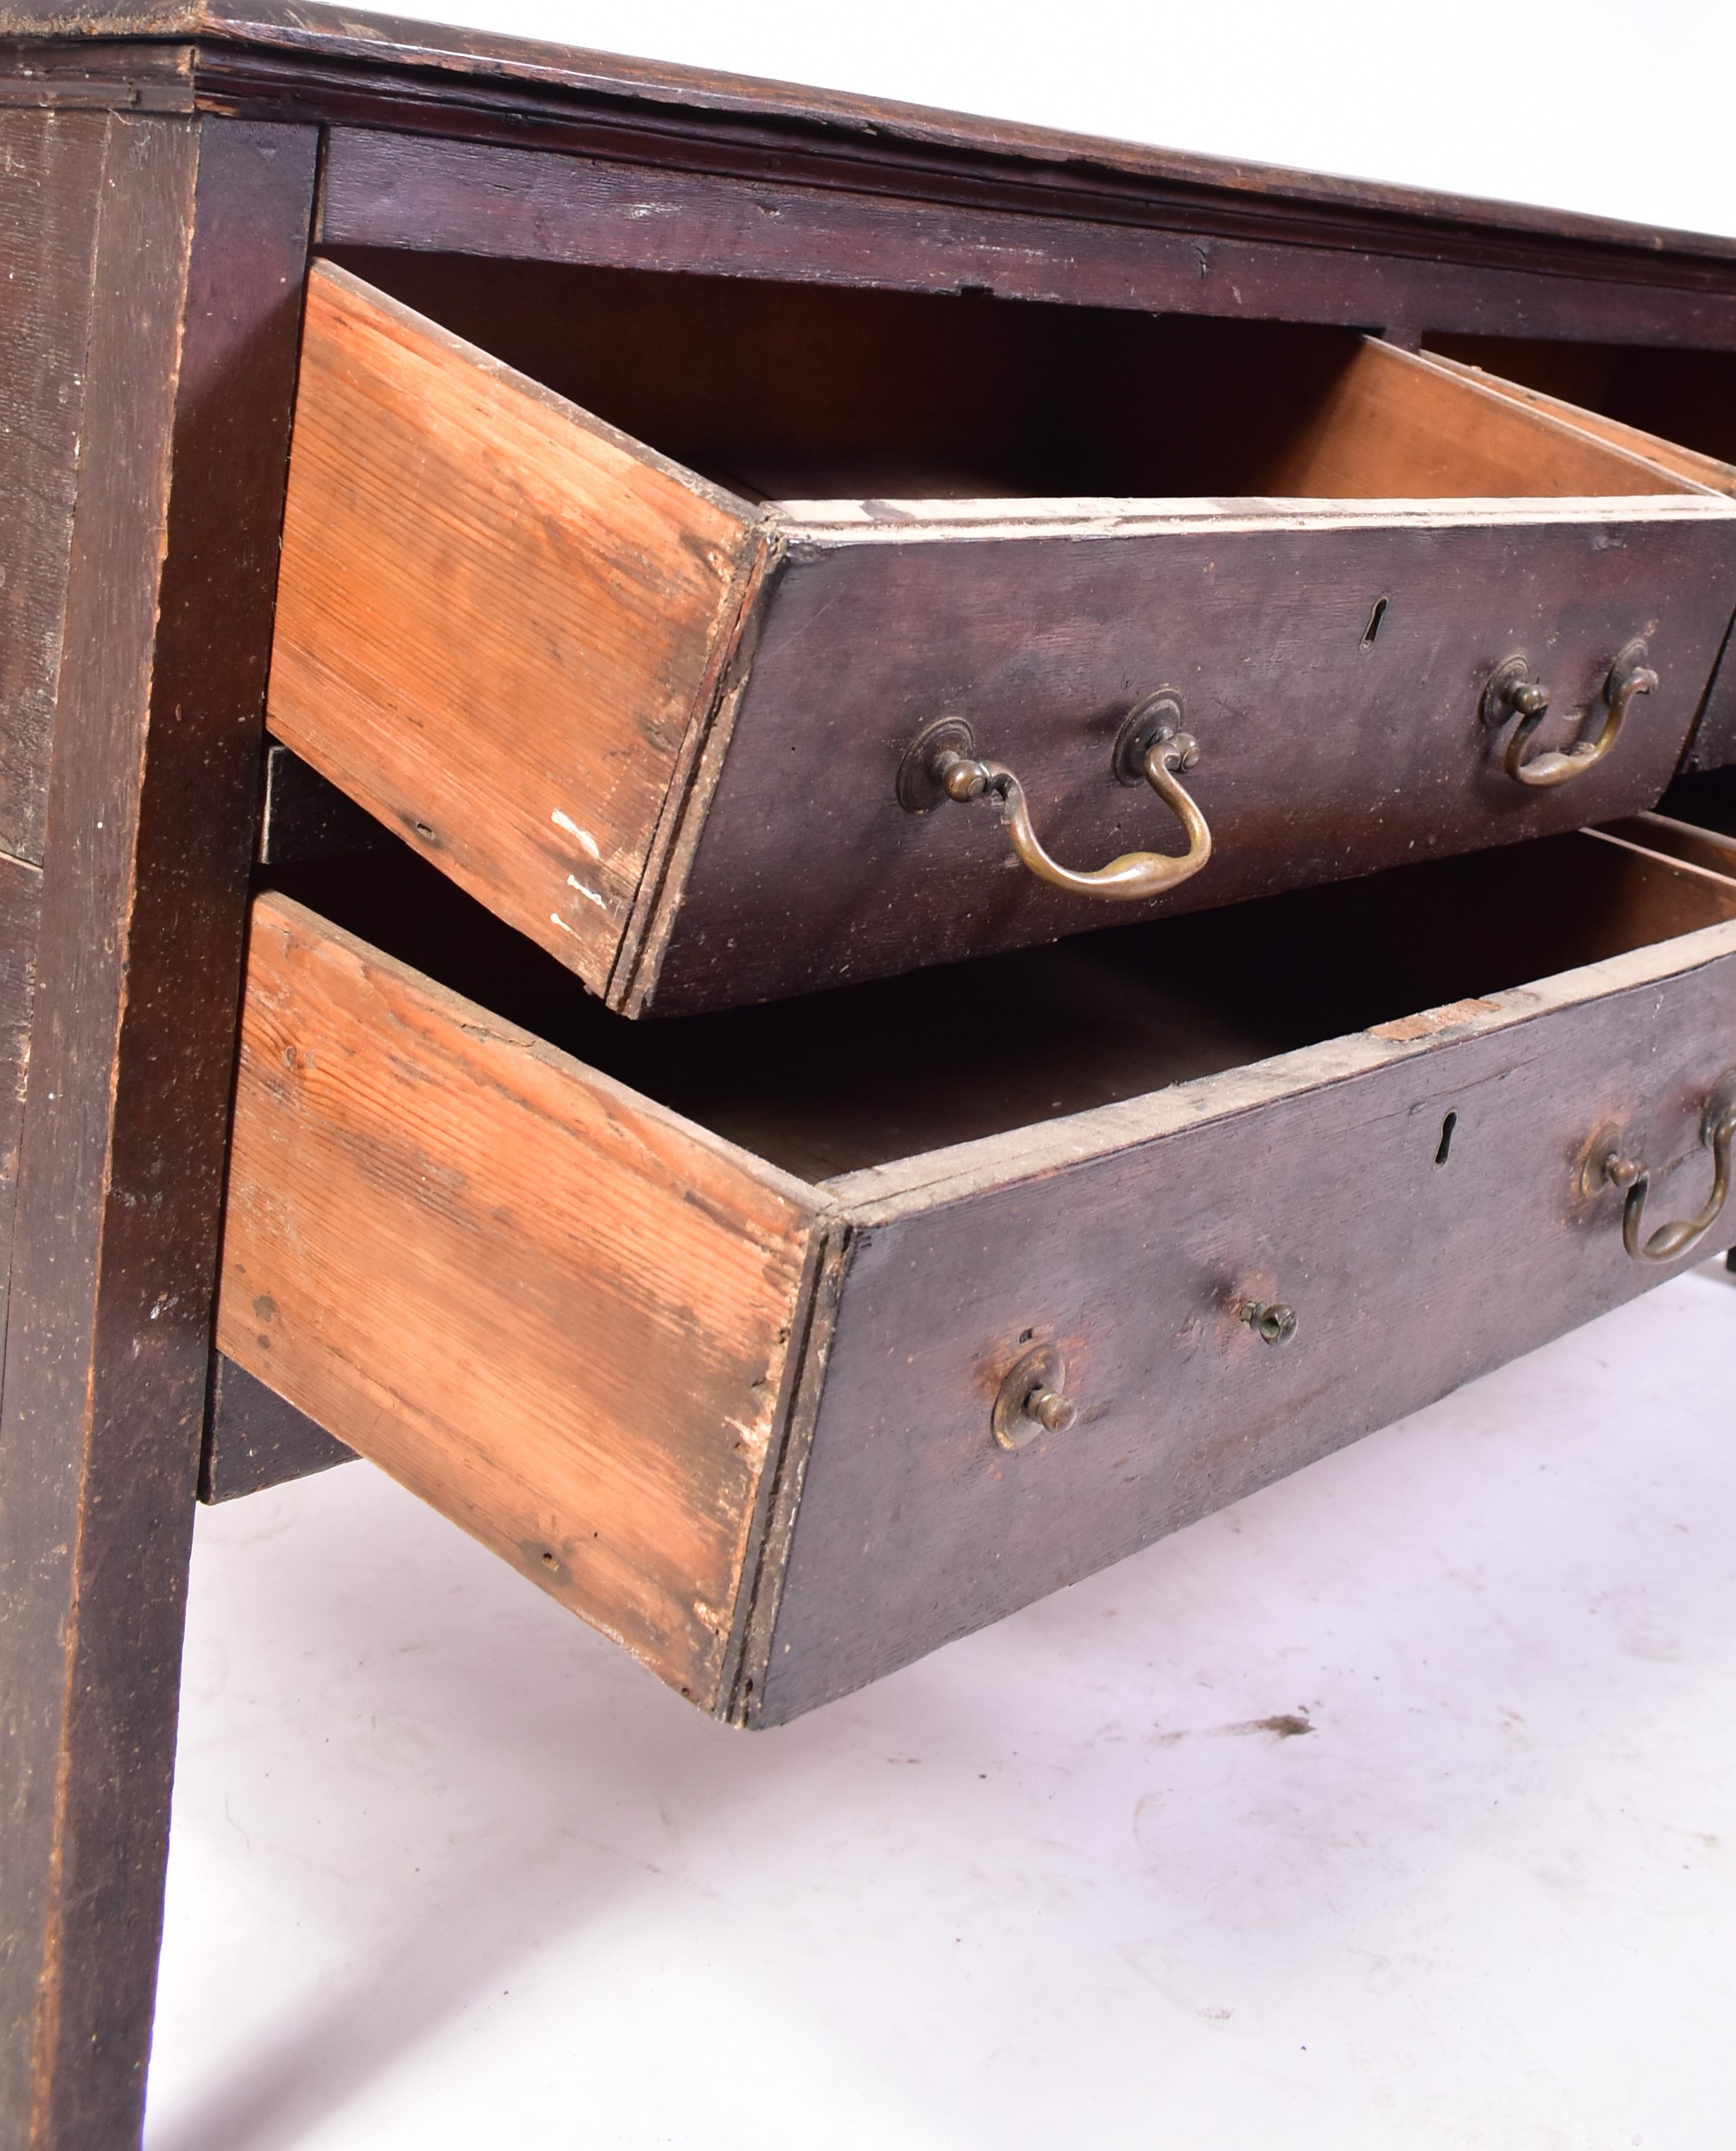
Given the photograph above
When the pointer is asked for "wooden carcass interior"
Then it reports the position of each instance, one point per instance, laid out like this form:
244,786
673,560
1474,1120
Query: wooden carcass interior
815,391
832,1083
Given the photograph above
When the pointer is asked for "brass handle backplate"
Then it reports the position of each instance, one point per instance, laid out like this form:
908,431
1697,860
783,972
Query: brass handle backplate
1718,1132
1033,1400
1509,692
942,762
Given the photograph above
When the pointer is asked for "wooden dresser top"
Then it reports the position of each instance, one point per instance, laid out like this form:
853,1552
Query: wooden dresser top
304,61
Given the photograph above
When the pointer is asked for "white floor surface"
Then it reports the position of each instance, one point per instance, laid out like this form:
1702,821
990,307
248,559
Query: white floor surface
449,1871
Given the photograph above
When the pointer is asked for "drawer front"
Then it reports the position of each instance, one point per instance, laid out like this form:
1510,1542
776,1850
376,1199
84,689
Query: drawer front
1415,1198
1330,668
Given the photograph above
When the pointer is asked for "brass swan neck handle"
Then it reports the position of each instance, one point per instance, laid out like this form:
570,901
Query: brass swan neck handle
942,763
1511,691
1718,1132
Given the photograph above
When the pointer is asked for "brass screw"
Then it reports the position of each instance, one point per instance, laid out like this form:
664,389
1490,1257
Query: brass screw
1274,1324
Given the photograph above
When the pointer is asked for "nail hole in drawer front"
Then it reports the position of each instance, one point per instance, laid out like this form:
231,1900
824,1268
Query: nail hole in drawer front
722,598
703,1323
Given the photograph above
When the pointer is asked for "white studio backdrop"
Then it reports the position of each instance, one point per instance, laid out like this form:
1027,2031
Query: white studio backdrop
1617,107
1392,1811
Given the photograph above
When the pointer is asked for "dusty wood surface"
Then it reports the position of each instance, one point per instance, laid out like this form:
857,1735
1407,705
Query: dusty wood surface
1129,1239
150,807
255,1440
874,220
313,32
48,242
20,909
499,622
302,816
1320,754
552,1308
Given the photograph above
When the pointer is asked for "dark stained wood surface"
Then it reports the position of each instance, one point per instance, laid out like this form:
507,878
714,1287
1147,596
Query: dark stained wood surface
151,801
1713,746
1129,1237
1318,756
387,189
20,906
254,1438
47,242
548,77
302,816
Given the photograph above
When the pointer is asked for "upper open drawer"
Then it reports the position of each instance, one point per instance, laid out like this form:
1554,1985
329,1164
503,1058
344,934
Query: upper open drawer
1674,408
1288,601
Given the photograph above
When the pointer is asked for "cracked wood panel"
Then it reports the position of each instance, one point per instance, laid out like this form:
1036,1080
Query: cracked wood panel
556,1311
500,623
1128,1237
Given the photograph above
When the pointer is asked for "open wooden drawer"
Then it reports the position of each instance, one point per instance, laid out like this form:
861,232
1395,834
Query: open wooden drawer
785,1344
1676,409
684,734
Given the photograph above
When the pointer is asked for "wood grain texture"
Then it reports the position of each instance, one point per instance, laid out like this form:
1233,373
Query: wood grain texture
1680,393
50,169
554,1310
1321,754
151,799
1129,1237
917,230
20,914
1395,425
500,623
479,59
1686,462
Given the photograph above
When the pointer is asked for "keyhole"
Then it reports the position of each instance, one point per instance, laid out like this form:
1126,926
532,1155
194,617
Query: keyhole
1447,1126
1373,629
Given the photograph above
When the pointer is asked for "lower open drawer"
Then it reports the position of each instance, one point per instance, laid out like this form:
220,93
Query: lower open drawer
787,1344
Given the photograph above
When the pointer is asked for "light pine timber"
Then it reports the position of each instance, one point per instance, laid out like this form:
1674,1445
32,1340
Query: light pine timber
1399,425
500,623
1688,464
555,1310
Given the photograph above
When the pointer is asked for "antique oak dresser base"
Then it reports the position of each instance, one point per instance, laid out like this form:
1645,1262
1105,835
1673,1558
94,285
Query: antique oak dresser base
176,178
